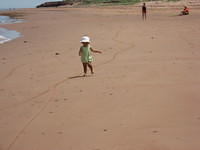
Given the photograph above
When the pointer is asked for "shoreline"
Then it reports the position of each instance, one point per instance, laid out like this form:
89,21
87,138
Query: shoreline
8,35
15,14
5,34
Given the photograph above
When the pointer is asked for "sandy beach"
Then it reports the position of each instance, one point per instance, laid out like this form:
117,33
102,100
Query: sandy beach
144,94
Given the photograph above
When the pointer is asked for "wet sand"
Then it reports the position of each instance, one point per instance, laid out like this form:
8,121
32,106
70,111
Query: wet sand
144,94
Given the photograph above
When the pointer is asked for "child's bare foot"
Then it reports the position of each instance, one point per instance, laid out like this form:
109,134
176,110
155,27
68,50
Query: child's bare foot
84,75
92,72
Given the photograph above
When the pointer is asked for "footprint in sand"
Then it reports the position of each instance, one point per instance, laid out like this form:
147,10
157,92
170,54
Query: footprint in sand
60,132
3,59
56,100
1,90
155,131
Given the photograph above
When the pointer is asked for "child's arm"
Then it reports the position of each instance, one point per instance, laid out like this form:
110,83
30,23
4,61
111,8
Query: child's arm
95,51
79,53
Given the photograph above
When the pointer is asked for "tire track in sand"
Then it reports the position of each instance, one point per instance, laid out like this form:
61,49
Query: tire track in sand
115,38
54,86
29,122
12,71
52,89
25,101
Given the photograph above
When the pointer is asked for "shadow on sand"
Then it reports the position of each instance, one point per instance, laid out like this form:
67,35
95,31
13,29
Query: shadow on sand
79,76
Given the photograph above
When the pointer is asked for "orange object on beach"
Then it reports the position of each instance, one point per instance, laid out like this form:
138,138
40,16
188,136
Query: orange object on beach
185,11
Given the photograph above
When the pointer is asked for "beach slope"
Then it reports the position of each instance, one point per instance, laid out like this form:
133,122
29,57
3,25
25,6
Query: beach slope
144,94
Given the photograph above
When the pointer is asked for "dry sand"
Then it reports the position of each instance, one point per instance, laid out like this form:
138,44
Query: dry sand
144,94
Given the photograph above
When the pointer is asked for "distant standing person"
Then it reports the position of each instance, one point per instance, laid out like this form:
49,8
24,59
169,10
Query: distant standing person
144,11
85,53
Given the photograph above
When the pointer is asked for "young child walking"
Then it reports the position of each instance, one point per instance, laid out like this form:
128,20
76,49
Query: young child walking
85,53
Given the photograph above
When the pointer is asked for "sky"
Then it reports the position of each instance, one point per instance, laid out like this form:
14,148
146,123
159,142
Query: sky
22,3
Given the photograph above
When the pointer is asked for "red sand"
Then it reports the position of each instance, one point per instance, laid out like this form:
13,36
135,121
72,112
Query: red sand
144,94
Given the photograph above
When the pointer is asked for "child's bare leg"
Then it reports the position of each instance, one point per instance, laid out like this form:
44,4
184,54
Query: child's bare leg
91,67
85,68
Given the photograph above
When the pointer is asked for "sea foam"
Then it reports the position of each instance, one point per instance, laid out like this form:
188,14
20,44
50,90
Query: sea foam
8,20
8,35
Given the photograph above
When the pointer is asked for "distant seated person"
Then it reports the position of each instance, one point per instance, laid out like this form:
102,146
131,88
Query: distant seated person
185,11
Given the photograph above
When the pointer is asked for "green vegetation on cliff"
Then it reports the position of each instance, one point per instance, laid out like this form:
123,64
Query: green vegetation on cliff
111,2
105,2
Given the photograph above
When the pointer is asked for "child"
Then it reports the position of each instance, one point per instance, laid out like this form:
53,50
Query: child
185,11
85,53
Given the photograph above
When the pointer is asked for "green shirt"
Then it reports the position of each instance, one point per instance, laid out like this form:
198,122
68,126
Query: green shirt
86,54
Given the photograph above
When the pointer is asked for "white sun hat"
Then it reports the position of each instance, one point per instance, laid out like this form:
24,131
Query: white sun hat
85,39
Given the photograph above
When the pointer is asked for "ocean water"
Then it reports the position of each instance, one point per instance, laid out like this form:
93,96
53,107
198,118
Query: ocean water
8,20
8,35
